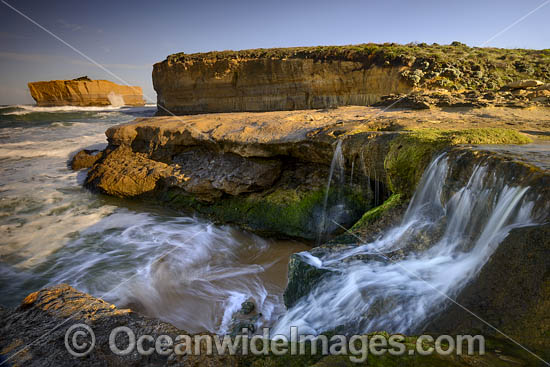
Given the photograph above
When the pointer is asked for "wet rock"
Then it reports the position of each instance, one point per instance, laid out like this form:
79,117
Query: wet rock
247,307
302,277
511,293
85,159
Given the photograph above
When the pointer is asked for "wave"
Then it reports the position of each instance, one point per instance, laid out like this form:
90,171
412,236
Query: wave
26,109
57,148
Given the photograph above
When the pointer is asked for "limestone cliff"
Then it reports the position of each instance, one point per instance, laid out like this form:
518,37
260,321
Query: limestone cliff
85,92
326,77
268,84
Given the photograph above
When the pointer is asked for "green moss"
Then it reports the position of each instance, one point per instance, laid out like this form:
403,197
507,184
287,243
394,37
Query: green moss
489,359
286,212
410,154
375,213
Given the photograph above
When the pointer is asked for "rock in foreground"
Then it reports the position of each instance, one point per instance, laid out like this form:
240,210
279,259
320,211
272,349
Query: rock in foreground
85,92
34,334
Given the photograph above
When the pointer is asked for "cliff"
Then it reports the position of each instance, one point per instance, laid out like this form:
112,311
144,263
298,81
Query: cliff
326,77
84,92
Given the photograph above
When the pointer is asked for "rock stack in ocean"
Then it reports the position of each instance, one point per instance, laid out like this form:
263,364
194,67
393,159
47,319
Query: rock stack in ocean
85,92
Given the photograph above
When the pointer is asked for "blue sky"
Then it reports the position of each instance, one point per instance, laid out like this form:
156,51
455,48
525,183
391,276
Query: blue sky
128,37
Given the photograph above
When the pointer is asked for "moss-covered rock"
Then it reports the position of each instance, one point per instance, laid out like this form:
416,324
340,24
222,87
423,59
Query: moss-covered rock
370,216
302,277
410,154
286,212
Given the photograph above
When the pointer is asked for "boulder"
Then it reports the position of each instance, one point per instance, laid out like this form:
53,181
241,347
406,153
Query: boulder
85,159
34,333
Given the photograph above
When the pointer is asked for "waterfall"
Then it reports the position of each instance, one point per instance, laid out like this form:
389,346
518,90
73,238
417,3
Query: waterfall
336,173
396,282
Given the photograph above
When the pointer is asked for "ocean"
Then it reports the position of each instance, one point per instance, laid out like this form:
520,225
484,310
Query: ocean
156,260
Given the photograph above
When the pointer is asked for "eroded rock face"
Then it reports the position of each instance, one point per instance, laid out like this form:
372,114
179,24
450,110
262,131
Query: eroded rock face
124,173
268,172
85,159
43,318
237,84
85,93
269,176
511,293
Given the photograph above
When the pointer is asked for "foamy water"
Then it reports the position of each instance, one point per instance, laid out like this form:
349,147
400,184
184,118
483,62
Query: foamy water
181,269
117,106
446,243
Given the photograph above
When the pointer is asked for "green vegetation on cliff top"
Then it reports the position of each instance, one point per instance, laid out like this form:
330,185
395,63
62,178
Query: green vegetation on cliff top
452,67
381,52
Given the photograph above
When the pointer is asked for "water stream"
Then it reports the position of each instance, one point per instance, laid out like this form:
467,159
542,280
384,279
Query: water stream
396,282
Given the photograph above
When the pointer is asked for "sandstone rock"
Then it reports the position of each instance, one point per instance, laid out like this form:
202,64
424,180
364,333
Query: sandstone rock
205,174
43,318
213,174
124,173
85,159
82,92
522,84
187,85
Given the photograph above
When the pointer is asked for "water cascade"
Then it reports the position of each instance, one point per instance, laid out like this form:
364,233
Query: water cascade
396,282
336,174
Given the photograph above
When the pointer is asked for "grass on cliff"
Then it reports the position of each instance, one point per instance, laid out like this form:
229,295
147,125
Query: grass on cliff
410,153
377,52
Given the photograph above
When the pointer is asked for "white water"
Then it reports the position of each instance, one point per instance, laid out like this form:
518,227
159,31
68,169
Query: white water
161,262
27,109
446,244
115,99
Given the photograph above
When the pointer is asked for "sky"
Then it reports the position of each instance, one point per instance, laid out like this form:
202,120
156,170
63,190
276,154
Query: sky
128,37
